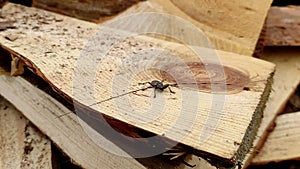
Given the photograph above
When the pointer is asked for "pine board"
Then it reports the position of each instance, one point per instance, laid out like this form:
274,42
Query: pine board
149,163
286,80
232,25
21,145
62,38
67,133
282,143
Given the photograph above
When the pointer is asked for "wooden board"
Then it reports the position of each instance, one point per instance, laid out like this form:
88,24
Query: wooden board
150,162
286,80
282,143
54,47
67,133
21,144
232,26
283,26
91,10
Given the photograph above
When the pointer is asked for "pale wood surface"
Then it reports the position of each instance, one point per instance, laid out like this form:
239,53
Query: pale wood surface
150,163
67,133
286,80
53,48
282,143
21,145
231,25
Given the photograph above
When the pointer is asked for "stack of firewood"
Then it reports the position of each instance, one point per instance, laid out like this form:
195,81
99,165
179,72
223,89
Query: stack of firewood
148,84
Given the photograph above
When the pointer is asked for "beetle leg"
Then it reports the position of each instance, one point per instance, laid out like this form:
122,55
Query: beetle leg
165,86
150,84
154,93
171,90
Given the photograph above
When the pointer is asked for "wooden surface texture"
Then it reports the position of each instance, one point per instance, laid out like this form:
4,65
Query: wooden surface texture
51,46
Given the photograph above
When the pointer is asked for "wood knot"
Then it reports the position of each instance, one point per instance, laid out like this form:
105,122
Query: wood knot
211,78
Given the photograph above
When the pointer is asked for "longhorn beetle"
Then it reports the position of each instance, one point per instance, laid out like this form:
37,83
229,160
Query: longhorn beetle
158,85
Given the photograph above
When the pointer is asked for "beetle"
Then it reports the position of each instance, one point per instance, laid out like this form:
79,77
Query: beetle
159,85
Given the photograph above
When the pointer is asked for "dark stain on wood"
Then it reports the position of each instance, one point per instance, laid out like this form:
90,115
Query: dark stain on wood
91,10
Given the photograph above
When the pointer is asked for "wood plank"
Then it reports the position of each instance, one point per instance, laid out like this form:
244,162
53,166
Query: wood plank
150,162
63,38
282,143
67,133
21,145
232,26
235,26
91,10
283,26
286,80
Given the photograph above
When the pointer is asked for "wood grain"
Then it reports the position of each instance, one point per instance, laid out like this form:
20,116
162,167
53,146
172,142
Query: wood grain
232,25
150,162
21,144
282,143
286,80
67,133
62,39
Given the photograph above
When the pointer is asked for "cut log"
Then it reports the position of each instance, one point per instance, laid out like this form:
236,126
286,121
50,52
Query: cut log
283,26
54,48
282,143
286,80
91,10
21,144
